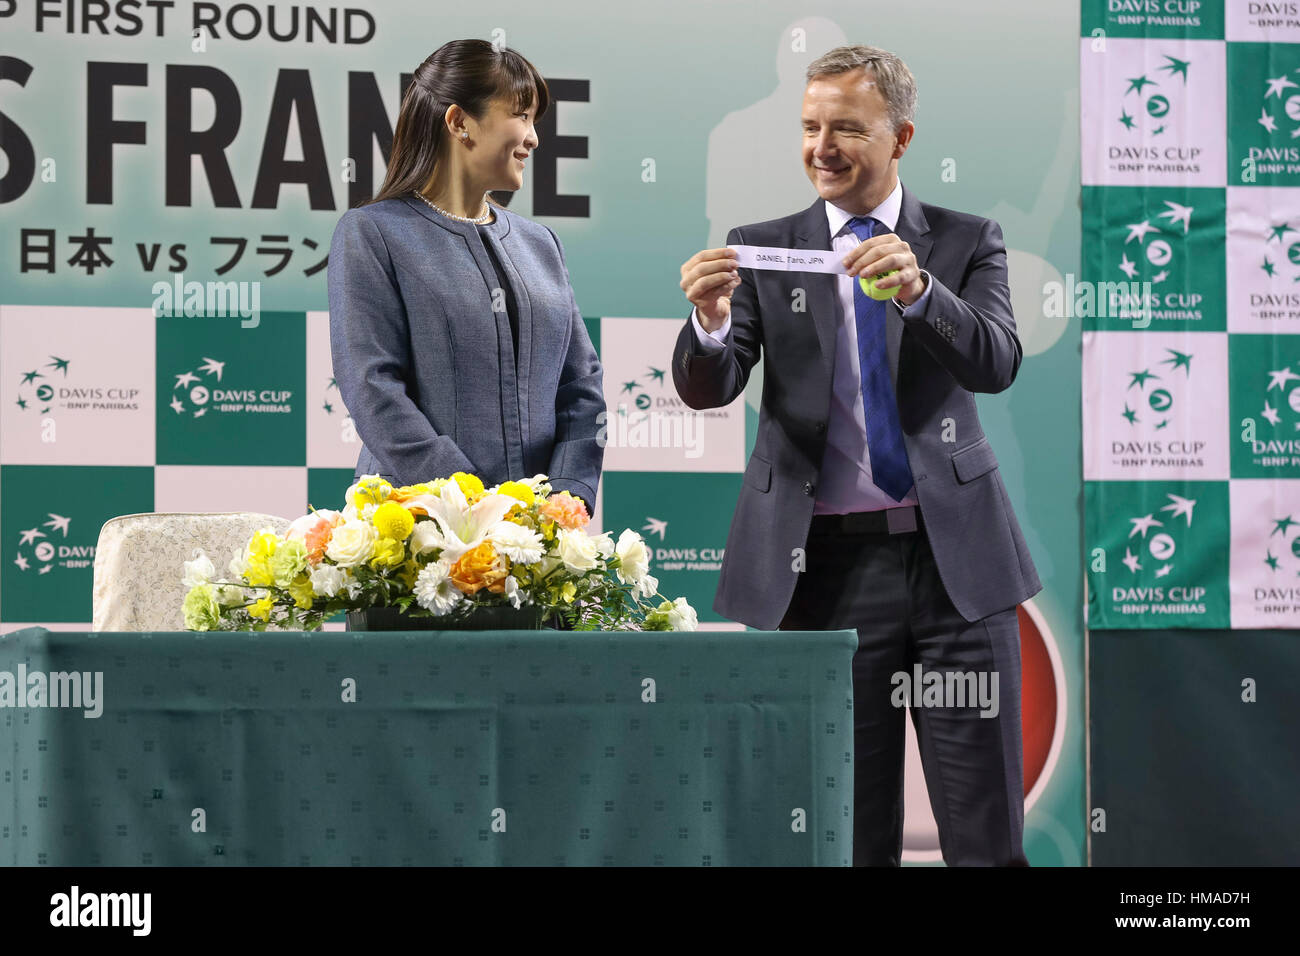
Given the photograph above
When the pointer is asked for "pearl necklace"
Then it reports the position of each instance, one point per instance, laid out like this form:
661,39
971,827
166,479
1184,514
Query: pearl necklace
486,217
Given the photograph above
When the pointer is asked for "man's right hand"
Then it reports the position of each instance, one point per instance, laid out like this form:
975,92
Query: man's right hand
708,279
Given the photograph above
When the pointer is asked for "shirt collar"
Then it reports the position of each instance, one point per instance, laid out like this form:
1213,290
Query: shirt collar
887,212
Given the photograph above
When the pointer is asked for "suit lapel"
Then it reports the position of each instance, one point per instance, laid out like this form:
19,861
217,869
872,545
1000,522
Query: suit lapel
812,231
913,229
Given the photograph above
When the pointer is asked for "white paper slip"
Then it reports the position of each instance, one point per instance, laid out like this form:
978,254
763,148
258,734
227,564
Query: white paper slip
789,260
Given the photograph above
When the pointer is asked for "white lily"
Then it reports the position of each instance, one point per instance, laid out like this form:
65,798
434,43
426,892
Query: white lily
463,526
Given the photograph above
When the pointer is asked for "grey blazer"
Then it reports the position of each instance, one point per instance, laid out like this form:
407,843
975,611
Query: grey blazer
427,368
963,341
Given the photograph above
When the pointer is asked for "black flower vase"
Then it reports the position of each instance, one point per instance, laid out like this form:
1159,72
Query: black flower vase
484,618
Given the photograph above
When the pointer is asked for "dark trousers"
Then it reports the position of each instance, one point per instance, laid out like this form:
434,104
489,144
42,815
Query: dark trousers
888,588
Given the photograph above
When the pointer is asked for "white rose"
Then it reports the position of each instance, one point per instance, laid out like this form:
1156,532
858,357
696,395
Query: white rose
682,616
604,544
327,580
352,543
519,544
633,556
199,571
578,550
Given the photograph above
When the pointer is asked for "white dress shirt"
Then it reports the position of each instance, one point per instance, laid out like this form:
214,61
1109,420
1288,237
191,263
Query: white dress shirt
845,484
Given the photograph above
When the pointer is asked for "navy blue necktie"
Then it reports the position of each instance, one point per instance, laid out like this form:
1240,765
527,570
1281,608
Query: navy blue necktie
889,468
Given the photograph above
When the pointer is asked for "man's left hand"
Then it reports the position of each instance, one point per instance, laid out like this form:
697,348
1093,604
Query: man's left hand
883,253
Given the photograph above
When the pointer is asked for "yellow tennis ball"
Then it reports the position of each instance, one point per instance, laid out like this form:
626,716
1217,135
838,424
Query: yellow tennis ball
880,295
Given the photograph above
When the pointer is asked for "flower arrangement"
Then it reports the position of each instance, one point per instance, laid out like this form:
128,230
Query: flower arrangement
436,549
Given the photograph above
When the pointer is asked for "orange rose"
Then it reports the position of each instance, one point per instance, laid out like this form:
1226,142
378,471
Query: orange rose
314,530
478,568
566,511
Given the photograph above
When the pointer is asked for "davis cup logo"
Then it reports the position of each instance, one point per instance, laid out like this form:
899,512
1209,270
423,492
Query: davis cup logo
679,559
1152,260
1153,403
1264,118
1266,572
1152,112
1147,113
190,387
41,551
642,402
35,391
1287,558
46,387
1282,261
1154,407
1161,546
1152,257
1281,109
200,391
328,406
1159,543
1282,411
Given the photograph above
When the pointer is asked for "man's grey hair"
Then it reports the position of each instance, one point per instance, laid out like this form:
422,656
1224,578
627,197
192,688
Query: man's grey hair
893,79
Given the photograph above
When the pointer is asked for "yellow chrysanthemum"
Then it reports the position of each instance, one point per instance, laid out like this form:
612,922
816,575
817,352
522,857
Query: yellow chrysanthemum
388,554
469,484
371,491
301,591
392,520
262,609
517,490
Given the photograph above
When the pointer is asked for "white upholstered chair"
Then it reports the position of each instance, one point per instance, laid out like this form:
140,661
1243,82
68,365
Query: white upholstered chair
139,563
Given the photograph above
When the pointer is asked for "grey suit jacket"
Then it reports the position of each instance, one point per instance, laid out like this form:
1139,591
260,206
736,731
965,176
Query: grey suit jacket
962,341
427,368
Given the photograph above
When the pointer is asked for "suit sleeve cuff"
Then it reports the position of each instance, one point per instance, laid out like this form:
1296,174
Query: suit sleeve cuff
917,307
710,341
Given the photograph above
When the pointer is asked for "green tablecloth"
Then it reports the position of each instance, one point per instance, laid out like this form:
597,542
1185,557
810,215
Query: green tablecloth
475,748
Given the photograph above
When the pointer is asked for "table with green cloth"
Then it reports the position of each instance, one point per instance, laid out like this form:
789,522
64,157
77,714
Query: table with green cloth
538,748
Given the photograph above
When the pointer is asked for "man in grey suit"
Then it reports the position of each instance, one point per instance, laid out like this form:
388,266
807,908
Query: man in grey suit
872,499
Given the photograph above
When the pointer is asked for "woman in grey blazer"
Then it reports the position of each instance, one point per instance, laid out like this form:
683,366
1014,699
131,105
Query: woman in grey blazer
456,338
